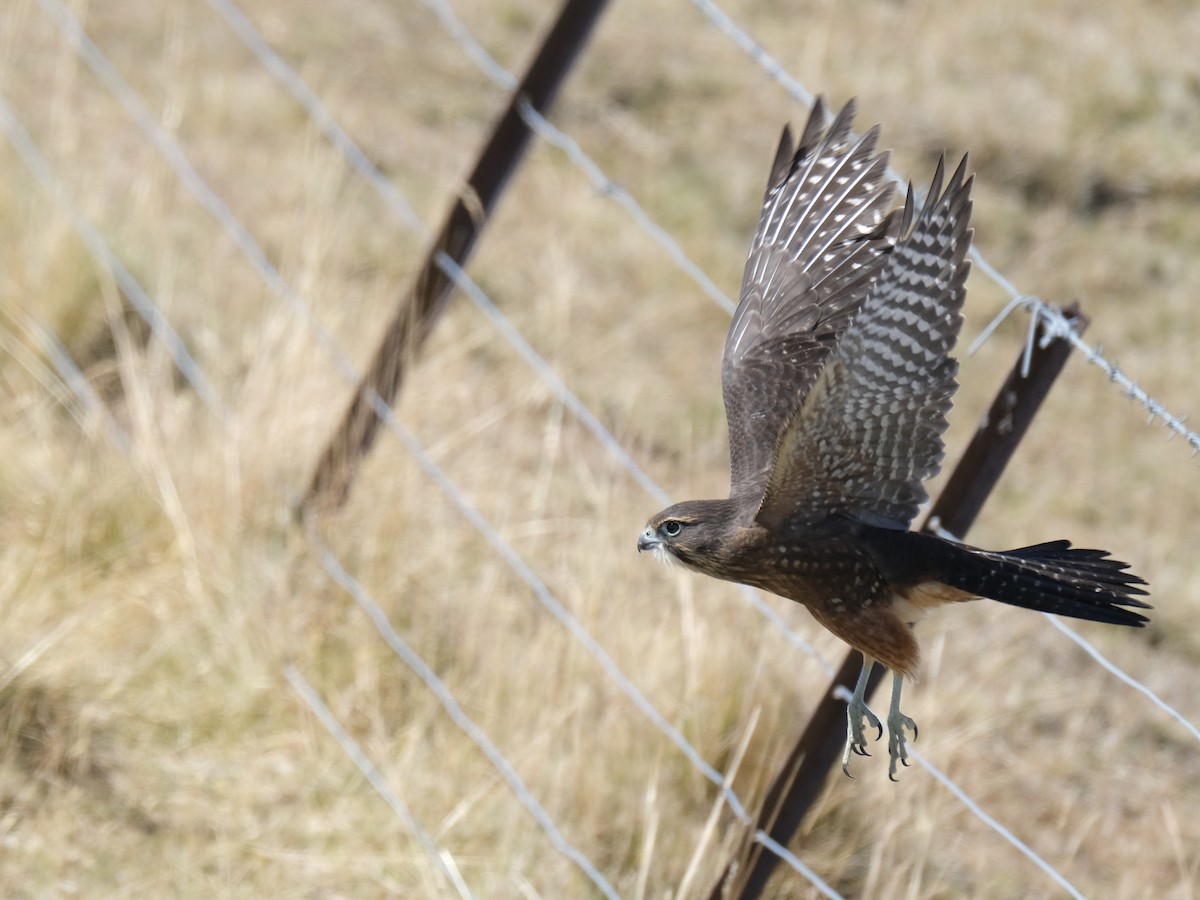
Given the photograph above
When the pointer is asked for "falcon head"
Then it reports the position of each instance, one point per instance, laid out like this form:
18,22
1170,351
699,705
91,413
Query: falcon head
694,535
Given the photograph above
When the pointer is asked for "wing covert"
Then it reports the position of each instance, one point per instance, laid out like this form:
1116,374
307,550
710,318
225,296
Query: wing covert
870,430
818,247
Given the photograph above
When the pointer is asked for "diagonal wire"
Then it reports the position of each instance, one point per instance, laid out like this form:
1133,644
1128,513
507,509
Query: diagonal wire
974,807
69,372
186,172
91,408
1059,326
1058,323
1121,675
623,198
99,248
557,138
379,619
375,778
290,78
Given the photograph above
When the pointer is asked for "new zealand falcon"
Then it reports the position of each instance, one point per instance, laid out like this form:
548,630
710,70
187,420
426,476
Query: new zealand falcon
837,380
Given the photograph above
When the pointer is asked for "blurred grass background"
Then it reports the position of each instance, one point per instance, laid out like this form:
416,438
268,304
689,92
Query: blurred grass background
149,743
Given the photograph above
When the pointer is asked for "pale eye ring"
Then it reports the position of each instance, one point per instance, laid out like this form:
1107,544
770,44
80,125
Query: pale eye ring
672,528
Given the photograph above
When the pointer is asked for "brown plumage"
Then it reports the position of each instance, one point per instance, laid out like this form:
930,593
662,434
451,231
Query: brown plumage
837,380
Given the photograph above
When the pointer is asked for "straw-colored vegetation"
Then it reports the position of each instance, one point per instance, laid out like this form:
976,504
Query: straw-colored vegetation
150,744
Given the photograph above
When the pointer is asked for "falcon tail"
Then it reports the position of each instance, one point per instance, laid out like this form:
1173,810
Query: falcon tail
1053,577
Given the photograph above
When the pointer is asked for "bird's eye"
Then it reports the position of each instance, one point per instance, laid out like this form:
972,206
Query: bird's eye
672,528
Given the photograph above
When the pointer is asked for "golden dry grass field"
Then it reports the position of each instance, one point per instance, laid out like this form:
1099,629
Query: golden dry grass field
151,600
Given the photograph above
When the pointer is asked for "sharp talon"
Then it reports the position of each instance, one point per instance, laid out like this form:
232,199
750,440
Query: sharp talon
880,735
858,718
915,732
892,778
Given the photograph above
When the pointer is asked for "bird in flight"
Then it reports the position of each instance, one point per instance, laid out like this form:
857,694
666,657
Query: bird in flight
837,380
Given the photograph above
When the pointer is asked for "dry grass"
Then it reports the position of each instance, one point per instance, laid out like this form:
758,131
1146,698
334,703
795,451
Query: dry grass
149,744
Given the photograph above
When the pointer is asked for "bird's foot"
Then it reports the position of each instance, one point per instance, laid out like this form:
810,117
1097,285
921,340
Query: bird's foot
897,742
856,740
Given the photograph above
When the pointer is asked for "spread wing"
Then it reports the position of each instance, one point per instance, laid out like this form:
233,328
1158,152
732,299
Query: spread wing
815,252
870,430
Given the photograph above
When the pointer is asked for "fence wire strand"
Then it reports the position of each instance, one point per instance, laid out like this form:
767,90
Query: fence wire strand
540,126
1058,324
996,826
100,250
1121,675
89,408
333,567
440,858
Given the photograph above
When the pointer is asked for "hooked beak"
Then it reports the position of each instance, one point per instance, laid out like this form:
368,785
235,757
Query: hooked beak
648,540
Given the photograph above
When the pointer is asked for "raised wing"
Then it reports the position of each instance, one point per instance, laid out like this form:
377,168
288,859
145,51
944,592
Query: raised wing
817,249
870,431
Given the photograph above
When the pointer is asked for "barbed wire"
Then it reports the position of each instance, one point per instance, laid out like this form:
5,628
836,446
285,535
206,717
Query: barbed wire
996,826
379,618
77,383
333,567
440,857
1119,673
554,136
1058,325
99,248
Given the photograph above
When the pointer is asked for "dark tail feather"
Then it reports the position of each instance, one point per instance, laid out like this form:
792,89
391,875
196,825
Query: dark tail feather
1052,577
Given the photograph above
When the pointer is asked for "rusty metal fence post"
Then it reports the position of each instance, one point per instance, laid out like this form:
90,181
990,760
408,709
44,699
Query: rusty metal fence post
426,300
